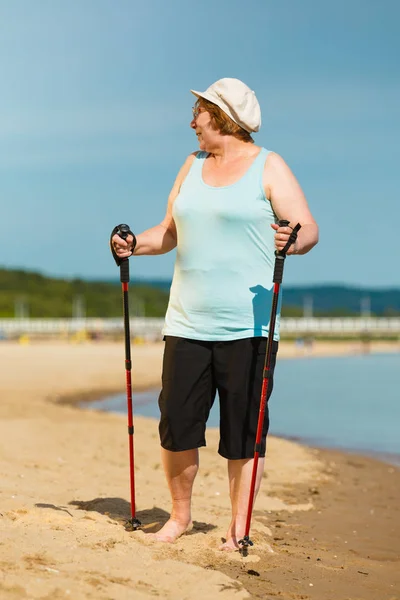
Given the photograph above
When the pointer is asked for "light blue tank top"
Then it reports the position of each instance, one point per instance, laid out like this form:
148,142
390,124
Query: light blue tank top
222,283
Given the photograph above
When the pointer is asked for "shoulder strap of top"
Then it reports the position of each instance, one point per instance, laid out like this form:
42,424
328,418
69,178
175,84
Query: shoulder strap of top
257,167
197,165
199,160
260,160
195,169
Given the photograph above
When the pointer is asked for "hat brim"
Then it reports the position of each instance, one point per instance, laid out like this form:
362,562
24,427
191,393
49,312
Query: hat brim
222,106
204,95
214,100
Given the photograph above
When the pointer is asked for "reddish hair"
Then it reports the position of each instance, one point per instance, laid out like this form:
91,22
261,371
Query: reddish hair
221,122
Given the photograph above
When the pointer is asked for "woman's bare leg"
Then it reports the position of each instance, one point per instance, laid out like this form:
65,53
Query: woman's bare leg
240,472
180,471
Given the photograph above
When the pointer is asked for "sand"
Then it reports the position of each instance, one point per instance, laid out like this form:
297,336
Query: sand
326,524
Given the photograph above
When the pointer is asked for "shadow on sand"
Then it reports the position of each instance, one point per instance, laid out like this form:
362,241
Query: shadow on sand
119,510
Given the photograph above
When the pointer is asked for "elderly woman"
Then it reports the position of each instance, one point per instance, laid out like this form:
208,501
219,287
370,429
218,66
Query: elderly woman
222,216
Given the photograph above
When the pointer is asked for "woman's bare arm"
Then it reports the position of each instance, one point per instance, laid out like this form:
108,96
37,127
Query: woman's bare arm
289,202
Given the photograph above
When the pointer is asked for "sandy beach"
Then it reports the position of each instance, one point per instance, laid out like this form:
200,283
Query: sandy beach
326,524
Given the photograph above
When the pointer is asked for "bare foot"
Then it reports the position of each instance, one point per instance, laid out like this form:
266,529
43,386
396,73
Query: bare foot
235,533
231,545
171,531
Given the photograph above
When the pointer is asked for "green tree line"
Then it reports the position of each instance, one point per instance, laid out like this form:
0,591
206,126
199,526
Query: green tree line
25,293
35,295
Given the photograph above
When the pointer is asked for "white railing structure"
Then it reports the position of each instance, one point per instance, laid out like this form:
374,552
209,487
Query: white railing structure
150,328
146,327
341,325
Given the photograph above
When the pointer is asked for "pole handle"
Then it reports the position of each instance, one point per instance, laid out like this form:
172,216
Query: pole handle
278,269
281,255
123,231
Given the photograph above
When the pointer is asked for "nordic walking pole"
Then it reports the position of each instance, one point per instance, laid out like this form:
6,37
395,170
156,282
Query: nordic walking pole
123,263
277,280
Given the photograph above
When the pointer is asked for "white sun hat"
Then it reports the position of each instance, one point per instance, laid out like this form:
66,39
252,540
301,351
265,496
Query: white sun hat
237,100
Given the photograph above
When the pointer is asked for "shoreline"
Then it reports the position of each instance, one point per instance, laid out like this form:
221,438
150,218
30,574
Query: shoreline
287,350
331,519
389,458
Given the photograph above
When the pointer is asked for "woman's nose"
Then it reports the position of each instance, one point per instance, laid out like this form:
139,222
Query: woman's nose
193,123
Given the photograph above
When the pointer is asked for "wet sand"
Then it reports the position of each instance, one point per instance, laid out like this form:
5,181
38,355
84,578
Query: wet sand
331,519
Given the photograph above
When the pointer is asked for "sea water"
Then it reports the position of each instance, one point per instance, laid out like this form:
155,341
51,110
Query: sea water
348,402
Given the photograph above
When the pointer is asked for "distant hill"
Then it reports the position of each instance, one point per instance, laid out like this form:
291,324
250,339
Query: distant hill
162,284
340,299
31,294
25,293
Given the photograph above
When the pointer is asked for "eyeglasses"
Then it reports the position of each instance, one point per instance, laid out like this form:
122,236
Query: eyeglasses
196,110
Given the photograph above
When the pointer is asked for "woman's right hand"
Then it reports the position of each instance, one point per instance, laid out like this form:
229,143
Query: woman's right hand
123,248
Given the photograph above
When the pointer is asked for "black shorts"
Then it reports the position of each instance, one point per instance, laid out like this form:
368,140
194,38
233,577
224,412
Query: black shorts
193,371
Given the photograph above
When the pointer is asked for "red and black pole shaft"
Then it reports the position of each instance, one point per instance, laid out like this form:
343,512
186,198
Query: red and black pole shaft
123,263
277,280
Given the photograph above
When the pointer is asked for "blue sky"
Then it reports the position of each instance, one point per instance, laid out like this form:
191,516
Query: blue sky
95,110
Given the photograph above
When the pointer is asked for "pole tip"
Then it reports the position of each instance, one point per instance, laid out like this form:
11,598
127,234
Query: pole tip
132,524
244,545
